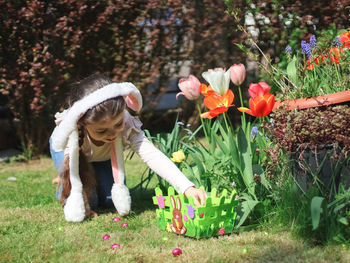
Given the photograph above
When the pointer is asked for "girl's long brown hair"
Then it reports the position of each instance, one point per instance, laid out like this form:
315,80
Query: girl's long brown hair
111,108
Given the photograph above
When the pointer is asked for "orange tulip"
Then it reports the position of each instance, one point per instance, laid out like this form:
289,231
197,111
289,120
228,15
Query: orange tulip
206,90
260,106
217,104
335,54
317,60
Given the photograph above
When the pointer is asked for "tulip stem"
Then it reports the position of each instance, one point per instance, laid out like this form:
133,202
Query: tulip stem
337,71
204,128
241,101
225,119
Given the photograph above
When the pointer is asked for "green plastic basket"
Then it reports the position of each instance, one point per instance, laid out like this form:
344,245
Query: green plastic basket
178,214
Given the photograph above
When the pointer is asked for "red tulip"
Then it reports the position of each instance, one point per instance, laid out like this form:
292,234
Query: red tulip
217,104
345,39
260,106
189,88
238,74
259,89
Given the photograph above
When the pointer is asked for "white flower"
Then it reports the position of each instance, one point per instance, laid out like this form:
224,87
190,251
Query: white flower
218,79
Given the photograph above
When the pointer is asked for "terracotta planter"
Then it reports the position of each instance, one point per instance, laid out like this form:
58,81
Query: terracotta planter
318,101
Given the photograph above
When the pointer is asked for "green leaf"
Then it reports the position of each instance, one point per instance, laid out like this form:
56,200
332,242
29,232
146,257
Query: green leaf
292,71
228,3
241,47
316,210
192,174
246,162
337,208
199,163
243,210
343,221
234,152
222,146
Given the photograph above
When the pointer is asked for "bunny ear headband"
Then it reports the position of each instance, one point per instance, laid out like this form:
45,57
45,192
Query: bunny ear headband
66,134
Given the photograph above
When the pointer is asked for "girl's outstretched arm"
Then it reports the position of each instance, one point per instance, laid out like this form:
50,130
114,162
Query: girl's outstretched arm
162,165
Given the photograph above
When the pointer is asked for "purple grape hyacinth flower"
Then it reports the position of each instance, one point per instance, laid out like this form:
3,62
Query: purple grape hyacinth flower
288,49
254,132
313,41
336,43
306,48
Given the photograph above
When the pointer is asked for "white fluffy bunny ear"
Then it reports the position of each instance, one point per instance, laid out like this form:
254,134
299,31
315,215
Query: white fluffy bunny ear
120,193
74,209
121,198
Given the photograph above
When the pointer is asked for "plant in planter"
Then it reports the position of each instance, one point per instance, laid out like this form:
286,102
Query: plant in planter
311,121
318,142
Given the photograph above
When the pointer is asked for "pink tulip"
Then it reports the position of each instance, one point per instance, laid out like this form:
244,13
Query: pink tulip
259,89
189,88
238,73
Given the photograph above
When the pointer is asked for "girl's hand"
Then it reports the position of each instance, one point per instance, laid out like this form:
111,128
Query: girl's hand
197,194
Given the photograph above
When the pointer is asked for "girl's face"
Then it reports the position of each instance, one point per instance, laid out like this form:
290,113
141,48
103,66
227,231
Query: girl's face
106,129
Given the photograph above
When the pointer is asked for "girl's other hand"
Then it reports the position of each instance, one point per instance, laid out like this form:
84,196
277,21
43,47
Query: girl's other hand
199,195
92,214
56,180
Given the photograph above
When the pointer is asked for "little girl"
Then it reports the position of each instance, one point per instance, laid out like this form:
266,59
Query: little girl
87,149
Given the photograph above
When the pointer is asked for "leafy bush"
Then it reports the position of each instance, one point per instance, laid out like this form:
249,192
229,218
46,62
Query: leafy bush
46,46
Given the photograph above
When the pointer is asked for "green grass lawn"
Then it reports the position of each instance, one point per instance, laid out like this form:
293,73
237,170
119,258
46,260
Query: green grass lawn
33,229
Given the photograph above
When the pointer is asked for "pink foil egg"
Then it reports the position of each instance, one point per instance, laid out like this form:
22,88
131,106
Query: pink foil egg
222,231
114,246
106,236
177,251
116,219
125,224
201,214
